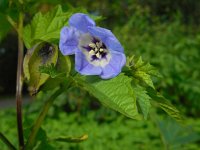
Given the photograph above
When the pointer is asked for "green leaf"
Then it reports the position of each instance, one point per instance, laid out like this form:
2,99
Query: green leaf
143,99
45,27
62,68
71,139
141,71
115,93
164,104
42,54
149,69
49,69
143,76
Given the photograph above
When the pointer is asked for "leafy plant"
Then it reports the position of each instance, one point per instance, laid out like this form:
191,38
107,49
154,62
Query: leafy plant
131,93
171,47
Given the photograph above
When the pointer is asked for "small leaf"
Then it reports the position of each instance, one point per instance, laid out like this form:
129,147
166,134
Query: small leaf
49,69
71,139
164,104
150,70
130,61
115,93
143,76
143,99
63,67
141,71
42,54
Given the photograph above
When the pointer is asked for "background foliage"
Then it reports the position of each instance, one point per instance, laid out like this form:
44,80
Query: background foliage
166,33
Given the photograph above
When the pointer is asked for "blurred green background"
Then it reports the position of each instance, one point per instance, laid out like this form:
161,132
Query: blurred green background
165,33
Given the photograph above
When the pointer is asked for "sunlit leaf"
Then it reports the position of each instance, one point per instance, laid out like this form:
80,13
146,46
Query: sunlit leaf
141,71
115,93
49,69
45,27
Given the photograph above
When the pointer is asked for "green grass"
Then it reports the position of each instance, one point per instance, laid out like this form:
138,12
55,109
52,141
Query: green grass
110,132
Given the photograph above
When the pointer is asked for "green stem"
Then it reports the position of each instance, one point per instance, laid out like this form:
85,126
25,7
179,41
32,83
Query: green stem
38,123
19,83
7,142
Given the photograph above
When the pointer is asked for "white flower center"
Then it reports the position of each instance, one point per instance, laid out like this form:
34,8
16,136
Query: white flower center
95,51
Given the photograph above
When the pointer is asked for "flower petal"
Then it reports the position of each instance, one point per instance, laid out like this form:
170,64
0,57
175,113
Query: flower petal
81,22
107,37
118,60
68,40
84,67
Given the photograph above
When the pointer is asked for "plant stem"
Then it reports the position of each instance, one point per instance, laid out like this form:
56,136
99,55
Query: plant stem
19,83
38,123
7,142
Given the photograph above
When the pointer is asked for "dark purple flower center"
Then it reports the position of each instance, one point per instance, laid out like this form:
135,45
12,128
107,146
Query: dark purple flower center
96,49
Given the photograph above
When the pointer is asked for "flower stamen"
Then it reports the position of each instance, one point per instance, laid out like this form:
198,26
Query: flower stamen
98,55
101,50
97,49
92,45
92,52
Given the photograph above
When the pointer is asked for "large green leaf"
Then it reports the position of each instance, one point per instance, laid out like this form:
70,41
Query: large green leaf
115,93
45,27
143,99
42,54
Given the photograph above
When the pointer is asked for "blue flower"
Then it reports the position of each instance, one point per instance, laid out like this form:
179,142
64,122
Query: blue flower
96,49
